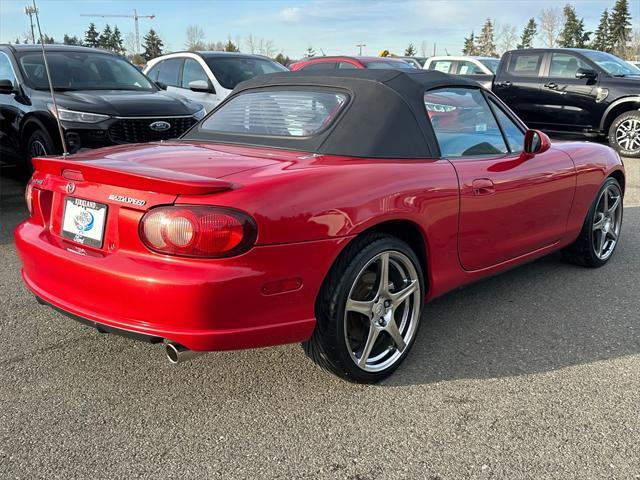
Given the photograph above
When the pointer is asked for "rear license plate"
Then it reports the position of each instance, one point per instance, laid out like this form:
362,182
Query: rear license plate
83,221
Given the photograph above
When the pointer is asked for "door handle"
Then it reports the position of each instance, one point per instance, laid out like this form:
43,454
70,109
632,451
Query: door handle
483,186
506,83
551,85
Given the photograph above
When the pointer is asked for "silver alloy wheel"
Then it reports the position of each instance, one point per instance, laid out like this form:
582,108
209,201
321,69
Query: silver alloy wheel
37,149
382,311
607,221
628,134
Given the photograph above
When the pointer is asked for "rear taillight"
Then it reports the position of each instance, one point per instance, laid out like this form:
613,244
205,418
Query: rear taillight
28,197
198,231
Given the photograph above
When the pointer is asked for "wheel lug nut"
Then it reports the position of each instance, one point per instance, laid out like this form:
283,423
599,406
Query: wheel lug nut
387,303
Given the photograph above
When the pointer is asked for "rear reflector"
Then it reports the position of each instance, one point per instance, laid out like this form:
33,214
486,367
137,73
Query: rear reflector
198,231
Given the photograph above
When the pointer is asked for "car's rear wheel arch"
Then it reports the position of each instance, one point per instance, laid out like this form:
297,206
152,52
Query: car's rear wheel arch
404,230
615,112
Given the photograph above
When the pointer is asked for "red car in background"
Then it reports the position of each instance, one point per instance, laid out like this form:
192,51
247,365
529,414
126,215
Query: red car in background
342,63
322,209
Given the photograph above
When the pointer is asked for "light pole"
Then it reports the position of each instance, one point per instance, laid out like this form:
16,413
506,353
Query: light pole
360,45
31,11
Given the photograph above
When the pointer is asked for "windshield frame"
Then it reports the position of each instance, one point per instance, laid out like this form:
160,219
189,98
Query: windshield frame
592,56
211,60
28,80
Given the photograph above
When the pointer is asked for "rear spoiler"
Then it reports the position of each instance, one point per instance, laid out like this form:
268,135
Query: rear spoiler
130,175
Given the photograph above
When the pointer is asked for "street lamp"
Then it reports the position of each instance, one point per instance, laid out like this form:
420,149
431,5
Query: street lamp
31,11
360,45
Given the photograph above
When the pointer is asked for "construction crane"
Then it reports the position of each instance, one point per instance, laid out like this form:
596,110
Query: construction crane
135,17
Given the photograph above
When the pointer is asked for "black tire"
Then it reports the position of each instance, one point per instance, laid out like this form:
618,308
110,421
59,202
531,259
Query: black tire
626,128
38,140
328,346
583,251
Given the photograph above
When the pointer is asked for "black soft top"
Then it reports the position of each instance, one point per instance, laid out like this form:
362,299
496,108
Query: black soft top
385,116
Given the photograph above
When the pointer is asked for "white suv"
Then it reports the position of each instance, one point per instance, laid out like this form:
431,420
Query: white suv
463,65
207,77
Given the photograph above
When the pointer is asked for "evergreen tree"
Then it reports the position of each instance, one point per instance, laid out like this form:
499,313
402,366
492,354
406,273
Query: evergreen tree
282,59
410,51
486,45
572,34
231,47
152,45
115,42
469,47
17,41
620,27
528,34
104,41
48,39
602,40
91,36
71,40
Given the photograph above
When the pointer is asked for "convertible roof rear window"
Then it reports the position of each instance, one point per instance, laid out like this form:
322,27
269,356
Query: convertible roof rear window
279,113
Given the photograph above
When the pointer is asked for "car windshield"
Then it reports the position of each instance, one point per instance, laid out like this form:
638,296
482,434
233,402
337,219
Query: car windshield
83,71
491,63
231,71
611,64
381,65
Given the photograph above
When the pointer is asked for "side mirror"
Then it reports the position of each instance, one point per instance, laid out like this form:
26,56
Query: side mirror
6,87
586,74
536,142
203,86
161,86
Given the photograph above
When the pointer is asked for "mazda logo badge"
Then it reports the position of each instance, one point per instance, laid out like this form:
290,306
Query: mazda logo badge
71,187
160,126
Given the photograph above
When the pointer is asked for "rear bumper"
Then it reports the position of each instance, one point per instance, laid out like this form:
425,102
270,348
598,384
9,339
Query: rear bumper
205,305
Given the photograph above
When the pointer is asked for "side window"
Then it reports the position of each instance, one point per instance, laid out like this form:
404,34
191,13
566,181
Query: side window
346,65
468,68
6,70
463,123
525,64
153,71
320,66
441,66
170,72
191,72
564,65
511,130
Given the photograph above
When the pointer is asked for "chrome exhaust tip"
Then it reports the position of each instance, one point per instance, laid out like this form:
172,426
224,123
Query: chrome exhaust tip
177,353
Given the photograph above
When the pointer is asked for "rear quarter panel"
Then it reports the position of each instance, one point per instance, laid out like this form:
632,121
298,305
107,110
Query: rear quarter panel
333,197
594,163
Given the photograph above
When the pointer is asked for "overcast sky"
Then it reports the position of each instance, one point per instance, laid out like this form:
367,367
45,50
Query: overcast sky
329,26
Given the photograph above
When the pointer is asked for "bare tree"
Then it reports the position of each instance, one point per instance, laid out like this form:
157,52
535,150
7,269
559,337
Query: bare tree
215,46
507,38
423,49
195,38
251,44
550,26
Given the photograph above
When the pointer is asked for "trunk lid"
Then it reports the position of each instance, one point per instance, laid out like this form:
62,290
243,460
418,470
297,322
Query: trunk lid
121,183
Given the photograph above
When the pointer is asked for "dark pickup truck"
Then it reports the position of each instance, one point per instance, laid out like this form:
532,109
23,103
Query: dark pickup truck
573,91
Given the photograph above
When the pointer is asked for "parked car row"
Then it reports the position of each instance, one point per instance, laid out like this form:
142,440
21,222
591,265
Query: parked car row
103,100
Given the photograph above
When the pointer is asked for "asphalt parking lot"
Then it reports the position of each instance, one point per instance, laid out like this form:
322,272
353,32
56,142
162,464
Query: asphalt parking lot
532,374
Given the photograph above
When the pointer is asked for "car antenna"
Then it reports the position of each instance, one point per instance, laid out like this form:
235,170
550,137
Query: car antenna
53,97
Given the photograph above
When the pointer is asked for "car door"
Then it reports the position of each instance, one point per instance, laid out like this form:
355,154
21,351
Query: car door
510,205
444,66
192,71
519,82
169,73
9,111
569,102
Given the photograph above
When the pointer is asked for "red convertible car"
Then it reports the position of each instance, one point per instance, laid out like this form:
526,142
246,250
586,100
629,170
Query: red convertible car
322,209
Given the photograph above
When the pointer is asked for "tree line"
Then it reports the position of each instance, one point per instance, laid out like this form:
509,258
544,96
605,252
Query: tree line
560,28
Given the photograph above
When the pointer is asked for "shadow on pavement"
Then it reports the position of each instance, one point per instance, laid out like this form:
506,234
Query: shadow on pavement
539,317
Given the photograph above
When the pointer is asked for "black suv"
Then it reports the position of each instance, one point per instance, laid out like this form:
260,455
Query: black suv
574,90
102,100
